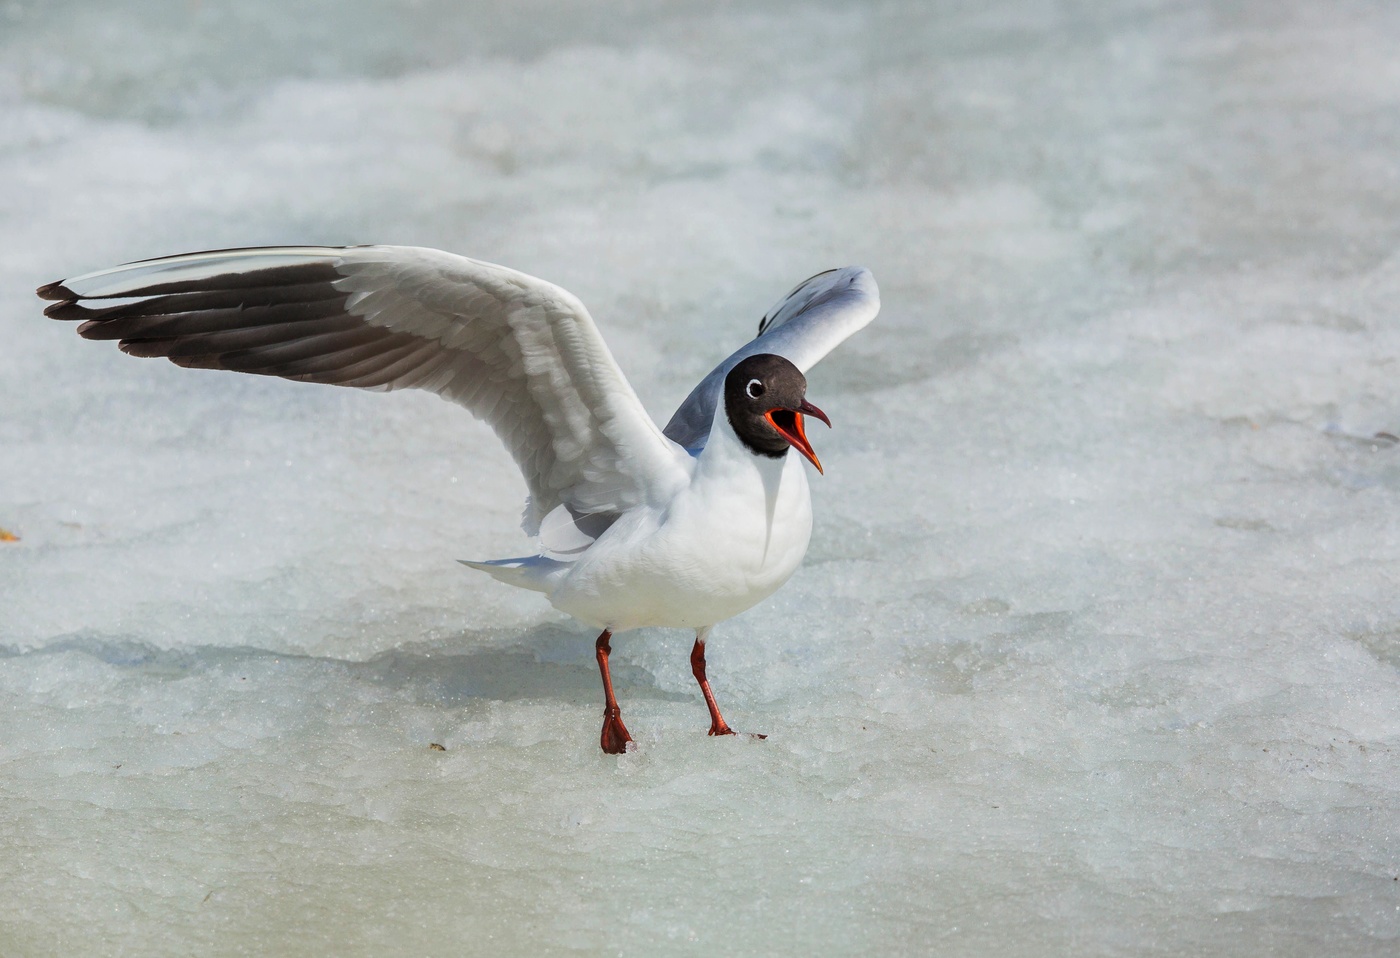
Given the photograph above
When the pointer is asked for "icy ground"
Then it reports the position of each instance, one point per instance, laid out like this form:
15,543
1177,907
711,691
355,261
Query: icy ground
1097,647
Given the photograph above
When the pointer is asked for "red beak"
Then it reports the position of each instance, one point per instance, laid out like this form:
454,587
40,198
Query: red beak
789,424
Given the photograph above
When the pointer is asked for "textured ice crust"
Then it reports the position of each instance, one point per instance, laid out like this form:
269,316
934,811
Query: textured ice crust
1097,647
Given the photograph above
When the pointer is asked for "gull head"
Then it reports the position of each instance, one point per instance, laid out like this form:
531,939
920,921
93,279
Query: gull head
765,399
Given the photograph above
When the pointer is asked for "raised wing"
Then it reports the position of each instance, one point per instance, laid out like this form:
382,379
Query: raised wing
802,327
520,353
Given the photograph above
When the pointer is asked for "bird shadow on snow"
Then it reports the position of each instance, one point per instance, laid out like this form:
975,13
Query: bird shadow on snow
544,662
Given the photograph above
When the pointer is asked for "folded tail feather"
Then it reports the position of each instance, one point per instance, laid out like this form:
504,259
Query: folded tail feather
537,573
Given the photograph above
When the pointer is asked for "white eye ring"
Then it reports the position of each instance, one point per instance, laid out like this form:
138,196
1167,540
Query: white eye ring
755,389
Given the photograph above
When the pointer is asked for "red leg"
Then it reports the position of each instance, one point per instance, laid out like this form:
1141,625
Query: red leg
615,737
718,726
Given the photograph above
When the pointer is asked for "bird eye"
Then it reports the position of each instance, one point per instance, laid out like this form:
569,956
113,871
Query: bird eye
755,389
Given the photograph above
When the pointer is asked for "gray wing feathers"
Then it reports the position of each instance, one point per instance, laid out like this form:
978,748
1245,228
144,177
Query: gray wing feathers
520,353
802,327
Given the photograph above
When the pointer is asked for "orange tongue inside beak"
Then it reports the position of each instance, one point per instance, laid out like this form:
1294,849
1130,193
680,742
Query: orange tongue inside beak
789,424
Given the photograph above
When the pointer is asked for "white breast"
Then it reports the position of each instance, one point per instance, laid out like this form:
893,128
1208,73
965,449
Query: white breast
724,543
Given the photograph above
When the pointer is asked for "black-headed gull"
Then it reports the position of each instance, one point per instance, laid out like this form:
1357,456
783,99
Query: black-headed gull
681,527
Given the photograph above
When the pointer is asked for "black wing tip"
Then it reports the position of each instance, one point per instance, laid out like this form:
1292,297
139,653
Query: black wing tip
68,309
60,293
56,291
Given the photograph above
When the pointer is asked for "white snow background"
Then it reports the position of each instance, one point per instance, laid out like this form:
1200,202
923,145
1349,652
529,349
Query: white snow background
1097,647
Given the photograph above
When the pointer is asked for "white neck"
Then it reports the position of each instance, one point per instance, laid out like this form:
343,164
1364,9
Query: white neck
726,461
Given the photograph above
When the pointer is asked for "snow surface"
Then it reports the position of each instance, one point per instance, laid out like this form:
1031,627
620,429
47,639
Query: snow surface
1097,647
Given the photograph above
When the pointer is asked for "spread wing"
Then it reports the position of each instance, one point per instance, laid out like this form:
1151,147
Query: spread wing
802,327
520,353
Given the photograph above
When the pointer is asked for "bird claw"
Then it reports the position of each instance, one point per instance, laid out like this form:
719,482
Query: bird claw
615,739
726,730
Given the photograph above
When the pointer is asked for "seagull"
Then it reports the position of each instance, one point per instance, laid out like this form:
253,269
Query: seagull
635,526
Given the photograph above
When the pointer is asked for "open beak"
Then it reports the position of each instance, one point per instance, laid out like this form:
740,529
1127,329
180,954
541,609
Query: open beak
788,422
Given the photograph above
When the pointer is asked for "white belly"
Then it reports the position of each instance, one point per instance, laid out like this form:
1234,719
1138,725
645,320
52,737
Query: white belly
725,543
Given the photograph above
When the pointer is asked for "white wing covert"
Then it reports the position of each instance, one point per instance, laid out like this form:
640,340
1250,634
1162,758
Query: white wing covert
802,327
520,353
